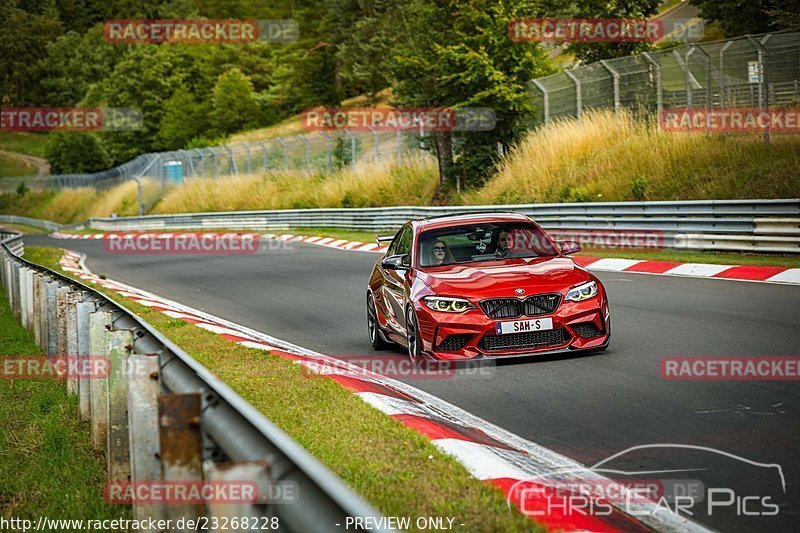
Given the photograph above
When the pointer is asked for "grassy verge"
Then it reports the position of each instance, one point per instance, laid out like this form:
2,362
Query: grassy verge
47,463
14,166
24,228
24,142
391,466
610,158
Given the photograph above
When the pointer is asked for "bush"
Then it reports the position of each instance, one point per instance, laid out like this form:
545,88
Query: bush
639,189
75,152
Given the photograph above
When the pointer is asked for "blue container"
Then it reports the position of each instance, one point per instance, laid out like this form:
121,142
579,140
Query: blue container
173,170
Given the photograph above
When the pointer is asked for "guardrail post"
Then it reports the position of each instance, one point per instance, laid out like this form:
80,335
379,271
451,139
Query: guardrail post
72,338
23,296
99,323
181,446
578,94
255,471
62,293
52,321
16,290
29,319
143,389
39,310
83,311
120,344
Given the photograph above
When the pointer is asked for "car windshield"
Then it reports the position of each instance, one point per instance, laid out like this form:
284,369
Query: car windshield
482,242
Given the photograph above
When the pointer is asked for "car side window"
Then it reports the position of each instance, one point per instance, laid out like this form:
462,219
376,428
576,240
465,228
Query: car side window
401,244
393,246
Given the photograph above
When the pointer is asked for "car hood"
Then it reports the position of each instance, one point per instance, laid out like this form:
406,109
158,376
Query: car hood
501,278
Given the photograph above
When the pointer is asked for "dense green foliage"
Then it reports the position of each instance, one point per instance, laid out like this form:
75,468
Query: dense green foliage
740,17
453,53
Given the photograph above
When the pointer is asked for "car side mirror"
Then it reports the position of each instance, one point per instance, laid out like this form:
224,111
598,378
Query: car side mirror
396,262
569,247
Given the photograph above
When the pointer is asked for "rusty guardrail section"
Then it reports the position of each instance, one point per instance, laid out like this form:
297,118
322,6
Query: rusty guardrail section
160,416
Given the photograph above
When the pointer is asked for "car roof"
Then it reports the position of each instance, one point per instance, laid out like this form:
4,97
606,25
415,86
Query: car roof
456,219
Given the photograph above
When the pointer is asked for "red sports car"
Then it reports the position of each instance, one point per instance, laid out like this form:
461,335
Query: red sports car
489,285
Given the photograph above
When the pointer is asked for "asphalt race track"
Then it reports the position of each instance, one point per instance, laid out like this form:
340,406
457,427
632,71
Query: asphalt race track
588,407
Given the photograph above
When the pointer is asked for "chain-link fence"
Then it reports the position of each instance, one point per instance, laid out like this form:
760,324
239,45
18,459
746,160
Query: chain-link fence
757,71
308,152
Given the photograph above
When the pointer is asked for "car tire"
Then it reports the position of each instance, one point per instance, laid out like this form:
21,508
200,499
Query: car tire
373,328
413,338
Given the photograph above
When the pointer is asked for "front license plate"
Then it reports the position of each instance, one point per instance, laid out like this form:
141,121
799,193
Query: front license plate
521,326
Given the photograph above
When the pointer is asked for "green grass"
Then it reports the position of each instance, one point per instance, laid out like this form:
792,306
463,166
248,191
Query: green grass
47,463
23,142
24,228
393,467
12,166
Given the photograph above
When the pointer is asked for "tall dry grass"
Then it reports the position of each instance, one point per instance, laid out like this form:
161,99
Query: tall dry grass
608,157
76,205
368,185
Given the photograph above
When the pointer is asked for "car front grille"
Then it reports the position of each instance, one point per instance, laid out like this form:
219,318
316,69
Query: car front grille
453,343
521,341
536,305
587,330
501,307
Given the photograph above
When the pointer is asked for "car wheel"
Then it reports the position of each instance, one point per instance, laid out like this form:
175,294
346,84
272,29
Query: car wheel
373,329
413,338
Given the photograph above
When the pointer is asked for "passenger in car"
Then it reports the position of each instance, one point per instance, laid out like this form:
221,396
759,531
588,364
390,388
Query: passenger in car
440,254
505,243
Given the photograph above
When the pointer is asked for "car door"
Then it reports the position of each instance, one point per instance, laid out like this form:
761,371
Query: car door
394,281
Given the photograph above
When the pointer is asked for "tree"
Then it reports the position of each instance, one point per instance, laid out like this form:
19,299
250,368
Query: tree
73,152
234,103
184,119
626,9
456,53
740,17
23,47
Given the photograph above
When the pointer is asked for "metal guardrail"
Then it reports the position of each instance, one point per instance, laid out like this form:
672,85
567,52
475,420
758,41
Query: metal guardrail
753,225
34,222
69,318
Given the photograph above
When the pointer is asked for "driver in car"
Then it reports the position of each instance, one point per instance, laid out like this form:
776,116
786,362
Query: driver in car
504,244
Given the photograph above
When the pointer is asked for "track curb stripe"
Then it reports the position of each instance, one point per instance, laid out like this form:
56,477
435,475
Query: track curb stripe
767,274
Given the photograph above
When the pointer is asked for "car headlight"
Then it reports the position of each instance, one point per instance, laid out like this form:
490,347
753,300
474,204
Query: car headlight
447,305
583,292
